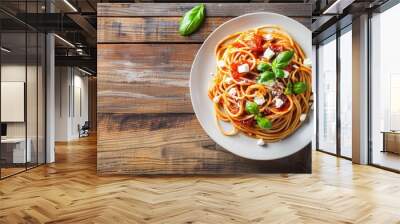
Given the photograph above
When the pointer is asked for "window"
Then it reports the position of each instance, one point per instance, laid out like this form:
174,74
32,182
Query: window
346,92
327,96
385,89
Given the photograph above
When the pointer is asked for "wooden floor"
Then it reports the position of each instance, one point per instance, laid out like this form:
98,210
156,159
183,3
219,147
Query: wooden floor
69,191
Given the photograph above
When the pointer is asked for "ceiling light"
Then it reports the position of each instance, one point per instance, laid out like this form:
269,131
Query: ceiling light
65,41
70,5
84,71
5,50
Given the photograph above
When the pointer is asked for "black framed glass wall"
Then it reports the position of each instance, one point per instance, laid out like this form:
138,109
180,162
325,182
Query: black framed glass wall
334,75
22,87
385,88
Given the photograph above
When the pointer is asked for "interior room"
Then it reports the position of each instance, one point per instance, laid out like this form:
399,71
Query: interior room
155,111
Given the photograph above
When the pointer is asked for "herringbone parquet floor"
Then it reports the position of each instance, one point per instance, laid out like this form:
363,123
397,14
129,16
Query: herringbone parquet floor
69,191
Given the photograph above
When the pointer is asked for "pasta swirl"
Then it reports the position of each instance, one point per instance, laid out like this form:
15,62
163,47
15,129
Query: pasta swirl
262,85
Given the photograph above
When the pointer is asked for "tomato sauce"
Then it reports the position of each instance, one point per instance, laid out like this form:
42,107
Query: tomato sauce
285,105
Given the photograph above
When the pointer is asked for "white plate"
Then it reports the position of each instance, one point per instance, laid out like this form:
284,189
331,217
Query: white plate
200,79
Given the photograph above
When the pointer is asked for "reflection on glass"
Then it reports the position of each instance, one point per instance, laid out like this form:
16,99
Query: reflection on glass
327,97
14,153
385,89
345,94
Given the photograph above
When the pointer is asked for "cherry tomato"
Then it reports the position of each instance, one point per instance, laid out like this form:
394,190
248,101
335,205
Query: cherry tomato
249,122
237,45
234,71
257,44
276,48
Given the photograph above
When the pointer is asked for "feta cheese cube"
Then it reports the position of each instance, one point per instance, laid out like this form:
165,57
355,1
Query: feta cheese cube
228,80
259,100
267,37
243,68
278,102
269,83
307,62
286,74
260,142
303,117
216,98
221,63
268,53
232,92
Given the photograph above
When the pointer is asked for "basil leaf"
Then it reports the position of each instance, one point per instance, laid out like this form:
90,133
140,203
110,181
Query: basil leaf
263,66
251,107
281,65
278,72
284,57
264,123
299,87
192,20
266,76
289,89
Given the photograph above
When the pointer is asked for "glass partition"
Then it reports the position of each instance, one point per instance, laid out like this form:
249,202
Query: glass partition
13,94
23,90
327,96
385,89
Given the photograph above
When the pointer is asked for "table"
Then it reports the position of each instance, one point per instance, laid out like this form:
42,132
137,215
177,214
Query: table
391,141
19,155
146,123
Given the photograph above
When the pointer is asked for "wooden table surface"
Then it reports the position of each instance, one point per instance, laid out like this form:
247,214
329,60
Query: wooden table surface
146,123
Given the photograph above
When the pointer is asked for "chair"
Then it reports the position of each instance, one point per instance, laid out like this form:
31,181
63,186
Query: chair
84,130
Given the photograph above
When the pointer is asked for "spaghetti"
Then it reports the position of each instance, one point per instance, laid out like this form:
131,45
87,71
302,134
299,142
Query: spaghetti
262,85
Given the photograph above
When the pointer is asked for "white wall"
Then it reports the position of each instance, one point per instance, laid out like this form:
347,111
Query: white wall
69,84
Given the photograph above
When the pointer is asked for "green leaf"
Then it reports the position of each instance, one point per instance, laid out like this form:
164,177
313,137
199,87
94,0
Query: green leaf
266,76
263,66
284,57
278,72
299,87
281,65
251,107
289,89
192,20
263,122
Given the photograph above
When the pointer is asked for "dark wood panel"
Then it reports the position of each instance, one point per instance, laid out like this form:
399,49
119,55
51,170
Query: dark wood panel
212,9
146,122
175,144
156,29
144,78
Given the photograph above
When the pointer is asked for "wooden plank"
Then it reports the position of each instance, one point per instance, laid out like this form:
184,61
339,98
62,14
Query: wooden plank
212,9
174,144
144,78
156,29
